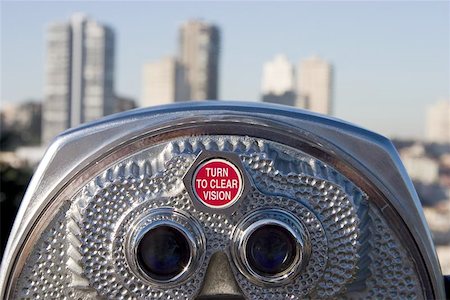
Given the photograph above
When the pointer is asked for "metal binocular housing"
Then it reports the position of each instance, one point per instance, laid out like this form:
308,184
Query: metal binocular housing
220,200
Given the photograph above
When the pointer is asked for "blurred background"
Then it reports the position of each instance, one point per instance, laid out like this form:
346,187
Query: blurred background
384,66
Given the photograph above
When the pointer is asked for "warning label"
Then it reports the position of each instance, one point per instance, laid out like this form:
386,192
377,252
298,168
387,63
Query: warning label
217,183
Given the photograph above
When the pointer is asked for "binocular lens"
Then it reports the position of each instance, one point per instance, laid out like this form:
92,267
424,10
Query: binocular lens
163,252
270,250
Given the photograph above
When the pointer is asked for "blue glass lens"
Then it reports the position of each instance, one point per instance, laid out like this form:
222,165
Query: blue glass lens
163,252
270,250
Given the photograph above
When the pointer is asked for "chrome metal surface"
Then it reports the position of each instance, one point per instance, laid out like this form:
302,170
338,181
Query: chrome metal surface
346,185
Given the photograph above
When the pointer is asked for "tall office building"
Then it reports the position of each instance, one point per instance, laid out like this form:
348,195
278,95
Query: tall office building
164,82
199,52
278,81
315,85
79,74
438,122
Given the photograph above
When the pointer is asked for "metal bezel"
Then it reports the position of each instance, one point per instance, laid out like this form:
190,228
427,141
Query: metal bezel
166,216
264,217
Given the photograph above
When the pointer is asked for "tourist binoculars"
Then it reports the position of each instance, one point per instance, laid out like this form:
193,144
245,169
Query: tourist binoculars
220,200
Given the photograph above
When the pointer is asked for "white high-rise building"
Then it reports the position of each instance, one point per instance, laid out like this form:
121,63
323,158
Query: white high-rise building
163,82
438,122
79,74
278,81
315,85
199,53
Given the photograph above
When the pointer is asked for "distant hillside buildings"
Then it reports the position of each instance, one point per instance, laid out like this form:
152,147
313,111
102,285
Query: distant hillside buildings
20,124
79,74
420,167
310,89
428,165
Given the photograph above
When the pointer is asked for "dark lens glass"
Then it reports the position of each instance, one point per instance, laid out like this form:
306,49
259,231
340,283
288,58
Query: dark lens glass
270,250
163,252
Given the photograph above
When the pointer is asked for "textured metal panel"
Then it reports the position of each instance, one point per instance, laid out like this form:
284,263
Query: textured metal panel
353,252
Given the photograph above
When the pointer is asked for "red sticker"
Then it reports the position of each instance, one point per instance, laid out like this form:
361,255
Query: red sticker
217,183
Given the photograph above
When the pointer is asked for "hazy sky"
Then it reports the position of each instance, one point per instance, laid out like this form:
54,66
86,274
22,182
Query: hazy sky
391,59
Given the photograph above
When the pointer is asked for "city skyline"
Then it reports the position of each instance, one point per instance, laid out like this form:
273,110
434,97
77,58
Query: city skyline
387,73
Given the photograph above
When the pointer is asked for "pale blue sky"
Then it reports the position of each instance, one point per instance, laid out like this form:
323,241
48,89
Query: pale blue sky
391,59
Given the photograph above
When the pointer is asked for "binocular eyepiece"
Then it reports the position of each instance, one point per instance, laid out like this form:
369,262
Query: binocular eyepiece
163,252
220,199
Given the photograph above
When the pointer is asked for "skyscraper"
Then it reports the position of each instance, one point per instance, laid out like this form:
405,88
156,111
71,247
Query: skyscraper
79,73
199,51
315,84
278,83
164,82
438,122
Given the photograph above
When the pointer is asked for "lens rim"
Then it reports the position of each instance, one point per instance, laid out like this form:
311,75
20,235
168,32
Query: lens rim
181,222
270,217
